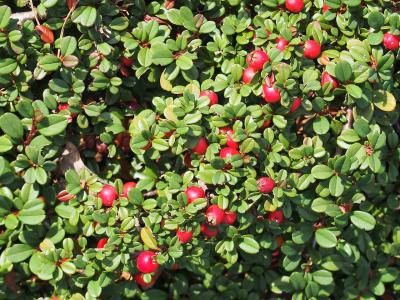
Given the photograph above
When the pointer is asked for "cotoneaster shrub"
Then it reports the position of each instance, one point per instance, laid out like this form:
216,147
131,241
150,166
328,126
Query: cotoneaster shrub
199,149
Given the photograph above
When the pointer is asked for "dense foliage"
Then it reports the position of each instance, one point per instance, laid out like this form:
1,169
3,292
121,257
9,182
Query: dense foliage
199,149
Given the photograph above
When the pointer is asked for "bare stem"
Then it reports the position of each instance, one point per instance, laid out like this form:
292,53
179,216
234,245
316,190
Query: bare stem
34,12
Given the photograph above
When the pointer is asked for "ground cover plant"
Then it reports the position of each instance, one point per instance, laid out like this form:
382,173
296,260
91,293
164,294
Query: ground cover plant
199,149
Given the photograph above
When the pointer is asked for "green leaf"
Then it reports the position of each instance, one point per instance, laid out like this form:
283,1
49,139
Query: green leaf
184,62
49,63
161,54
321,125
119,24
322,277
363,220
53,125
5,15
336,187
94,289
85,15
7,66
343,71
18,252
354,90
376,20
384,100
68,45
11,125
249,244
148,239
321,172
325,238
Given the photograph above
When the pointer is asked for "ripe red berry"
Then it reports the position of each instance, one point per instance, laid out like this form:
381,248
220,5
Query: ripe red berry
127,187
266,123
391,42
295,105
63,106
271,94
229,133
107,195
101,243
193,193
207,231
139,279
281,44
215,215
146,262
211,95
248,74
326,78
201,146
184,236
276,216
265,185
126,61
256,59
230,217
294,6
325,8
228,152
312,49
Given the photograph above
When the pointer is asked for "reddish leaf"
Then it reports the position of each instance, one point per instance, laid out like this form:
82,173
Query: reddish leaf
71,4
46,34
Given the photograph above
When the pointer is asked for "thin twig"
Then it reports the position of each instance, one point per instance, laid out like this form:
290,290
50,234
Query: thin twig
34,12
65,23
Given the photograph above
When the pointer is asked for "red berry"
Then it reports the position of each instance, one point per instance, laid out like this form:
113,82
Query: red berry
295,105
326,78
281,44
271,95
276,216
201,146
101,243
193,193
207,231
127,187
325,8
102,148
345,207
266,123
228,152
215,215
146,262
140,281
312,49
230,217
256,59
107,195
265,185
229,133
211,95
248,74
391,42
184,236
63,106
126,61
294,6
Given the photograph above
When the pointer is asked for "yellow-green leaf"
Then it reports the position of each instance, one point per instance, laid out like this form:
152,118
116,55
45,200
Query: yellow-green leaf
148,239
384,100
